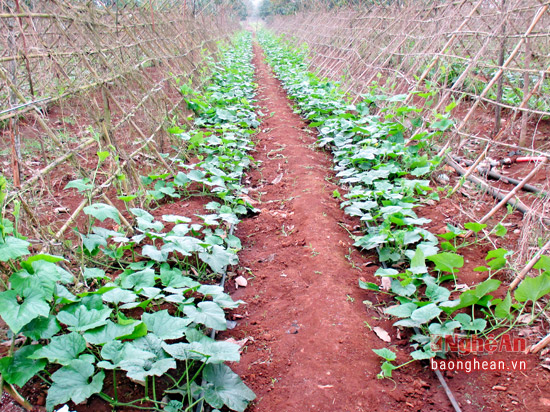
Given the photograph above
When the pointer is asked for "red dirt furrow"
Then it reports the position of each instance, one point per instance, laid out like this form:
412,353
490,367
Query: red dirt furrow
311,349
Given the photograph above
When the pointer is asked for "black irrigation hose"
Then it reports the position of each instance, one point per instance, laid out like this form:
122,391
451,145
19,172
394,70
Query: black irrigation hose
496,176
518,205
438,373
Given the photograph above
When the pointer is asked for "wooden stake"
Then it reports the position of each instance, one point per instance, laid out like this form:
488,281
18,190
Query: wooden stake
509,195
541,345
529,266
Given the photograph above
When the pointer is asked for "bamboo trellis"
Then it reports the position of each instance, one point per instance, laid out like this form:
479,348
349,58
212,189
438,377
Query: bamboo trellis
491,57
495,53
81,77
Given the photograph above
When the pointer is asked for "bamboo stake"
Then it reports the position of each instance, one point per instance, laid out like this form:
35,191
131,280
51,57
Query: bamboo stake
500,71
498,108
525,115
511,194
529,266
541,345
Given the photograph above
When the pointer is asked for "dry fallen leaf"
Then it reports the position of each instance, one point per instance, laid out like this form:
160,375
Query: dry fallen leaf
241,342
386,283
240,281
525,318
248,199
277,179
382,334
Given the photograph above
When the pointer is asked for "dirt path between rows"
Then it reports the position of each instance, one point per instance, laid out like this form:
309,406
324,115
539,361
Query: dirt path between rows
311,349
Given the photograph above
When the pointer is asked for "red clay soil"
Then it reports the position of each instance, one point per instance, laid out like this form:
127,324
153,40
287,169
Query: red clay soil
309,347
310,337
311,350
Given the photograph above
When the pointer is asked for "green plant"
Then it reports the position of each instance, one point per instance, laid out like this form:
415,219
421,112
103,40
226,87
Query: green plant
382,160
75,337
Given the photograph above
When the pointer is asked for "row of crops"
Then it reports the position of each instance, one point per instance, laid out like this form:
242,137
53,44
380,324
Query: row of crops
385,167
141,304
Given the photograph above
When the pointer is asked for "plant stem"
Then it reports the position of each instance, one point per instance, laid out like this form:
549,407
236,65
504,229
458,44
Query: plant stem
190,407
146,388
114,385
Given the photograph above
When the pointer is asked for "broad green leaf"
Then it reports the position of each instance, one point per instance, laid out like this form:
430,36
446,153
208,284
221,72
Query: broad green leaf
91,242
72,383
94,273
63,296
208,314
142,214
206,350
371,241
224,387
28,263
225,301
471,297
102,211
19,368
80,184
401,311
62,349
444,329
103,155
407,323
16,314
475,226
42,278
164,325
41,328
108,333
500,230
181,179
386,272
533,288
173,277
368,285
13,248
118,295
127,198
113,351
418,263
140,330
543,263
137,280
210,290
387,369
447,262
421,355
425,313
218,258
398,288
145,357
437,293
176,219
155,254
84,319
386,354
502,309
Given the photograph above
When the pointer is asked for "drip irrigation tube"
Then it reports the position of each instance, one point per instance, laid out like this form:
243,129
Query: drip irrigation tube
516,203
496,176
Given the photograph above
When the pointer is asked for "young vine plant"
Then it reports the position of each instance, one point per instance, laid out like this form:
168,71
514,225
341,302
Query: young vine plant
138,310
381,149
